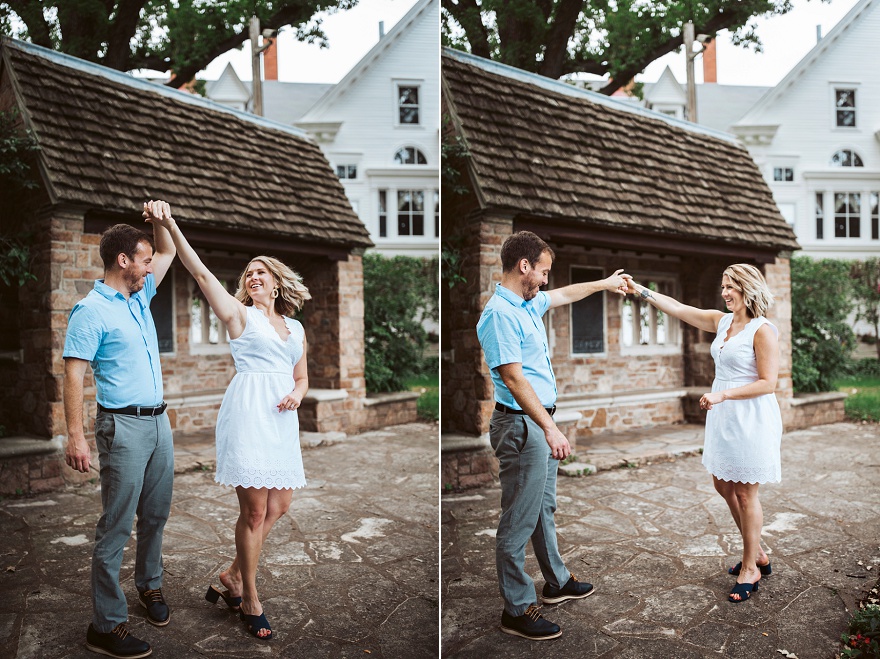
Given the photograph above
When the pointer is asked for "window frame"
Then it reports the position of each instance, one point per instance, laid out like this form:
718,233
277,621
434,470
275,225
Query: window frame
836,88
222,345
411,213
416,152
782,169
347,166
396,85
674,340
848,217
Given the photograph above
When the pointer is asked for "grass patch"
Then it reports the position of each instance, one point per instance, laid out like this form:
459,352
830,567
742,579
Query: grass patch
863,402
429,401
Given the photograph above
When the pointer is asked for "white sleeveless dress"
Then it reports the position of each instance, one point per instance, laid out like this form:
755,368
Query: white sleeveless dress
743,437
258,446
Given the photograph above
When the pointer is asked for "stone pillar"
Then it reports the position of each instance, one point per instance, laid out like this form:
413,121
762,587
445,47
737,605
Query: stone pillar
778,276
467,387
334,324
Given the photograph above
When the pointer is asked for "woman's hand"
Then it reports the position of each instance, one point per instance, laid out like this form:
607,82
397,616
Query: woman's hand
710,399
158,212
290,402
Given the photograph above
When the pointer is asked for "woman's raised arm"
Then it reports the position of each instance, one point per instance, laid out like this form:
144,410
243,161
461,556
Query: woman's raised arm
704,319
229,310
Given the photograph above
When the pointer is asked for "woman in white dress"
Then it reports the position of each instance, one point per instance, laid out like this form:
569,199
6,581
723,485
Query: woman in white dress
743,422
258,449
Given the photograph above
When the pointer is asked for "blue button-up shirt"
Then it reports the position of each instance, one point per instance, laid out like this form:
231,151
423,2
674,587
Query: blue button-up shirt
118,337
511,331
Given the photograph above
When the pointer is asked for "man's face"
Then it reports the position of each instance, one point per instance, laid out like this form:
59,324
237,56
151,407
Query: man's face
139,267
535,276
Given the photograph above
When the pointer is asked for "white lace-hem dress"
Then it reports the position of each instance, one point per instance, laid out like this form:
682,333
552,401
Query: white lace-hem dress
743,437
258,446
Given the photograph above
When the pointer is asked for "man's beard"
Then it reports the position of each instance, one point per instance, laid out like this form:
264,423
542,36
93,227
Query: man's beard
134,282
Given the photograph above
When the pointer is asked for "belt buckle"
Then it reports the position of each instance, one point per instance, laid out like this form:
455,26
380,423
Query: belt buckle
552,410
138,411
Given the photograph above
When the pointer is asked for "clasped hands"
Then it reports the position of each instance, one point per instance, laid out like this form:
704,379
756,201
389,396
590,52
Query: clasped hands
158,211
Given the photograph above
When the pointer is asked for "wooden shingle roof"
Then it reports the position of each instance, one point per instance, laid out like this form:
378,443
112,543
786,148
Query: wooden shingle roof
109,141
544,149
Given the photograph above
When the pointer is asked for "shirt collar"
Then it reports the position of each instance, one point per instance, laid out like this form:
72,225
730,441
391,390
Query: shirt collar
107,291
510,296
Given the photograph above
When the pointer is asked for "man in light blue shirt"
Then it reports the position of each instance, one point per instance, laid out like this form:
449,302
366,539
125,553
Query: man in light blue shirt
112,329
522,431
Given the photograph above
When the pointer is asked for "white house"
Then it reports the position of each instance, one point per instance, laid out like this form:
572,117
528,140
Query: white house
380,126
816,138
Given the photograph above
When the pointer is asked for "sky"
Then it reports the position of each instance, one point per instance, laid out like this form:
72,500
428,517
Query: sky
351,34
787,39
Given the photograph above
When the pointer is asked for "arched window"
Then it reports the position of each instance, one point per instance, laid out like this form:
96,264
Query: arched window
846,158
409,155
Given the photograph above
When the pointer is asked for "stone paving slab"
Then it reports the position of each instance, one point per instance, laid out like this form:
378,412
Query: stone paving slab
351,571
657,540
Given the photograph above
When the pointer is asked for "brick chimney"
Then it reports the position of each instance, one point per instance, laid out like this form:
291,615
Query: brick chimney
270,61
710,74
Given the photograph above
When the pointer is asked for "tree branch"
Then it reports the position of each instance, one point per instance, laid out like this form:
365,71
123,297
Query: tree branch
31,12
121,32
468,15
561,31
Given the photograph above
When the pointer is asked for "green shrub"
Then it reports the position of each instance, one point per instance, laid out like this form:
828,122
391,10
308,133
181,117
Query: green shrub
821,338
863,639
399,293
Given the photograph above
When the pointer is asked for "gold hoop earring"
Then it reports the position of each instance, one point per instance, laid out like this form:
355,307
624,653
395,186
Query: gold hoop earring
274,292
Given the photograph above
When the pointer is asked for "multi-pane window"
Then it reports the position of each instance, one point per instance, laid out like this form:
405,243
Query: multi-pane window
408,104
436,213
410,213
846,158
847,211
875,216
785,174
845,107
642,324
409,155
383,213
347,171
205,328
820,215
587,316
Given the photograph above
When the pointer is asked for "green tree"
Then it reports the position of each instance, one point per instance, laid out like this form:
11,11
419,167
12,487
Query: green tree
183,36
17,147
399,293
821,338
867,294
560,37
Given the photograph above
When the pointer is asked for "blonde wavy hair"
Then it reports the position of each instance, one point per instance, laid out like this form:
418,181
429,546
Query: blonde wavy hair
749,281
292,293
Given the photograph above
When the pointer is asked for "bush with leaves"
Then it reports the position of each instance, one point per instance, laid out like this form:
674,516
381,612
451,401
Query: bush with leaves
821,338
399,294
17,175
866,293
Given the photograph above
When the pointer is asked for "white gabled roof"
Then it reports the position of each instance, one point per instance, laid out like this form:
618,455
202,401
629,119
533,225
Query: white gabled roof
227,88
666,90
377,51
834,39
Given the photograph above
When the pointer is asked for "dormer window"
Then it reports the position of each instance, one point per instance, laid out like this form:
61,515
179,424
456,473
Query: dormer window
846,158
845,108
410,155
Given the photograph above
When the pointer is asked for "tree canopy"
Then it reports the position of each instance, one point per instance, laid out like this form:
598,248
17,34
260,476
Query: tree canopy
182,36
603,37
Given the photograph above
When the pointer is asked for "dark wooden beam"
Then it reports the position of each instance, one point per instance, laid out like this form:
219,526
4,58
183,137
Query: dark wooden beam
591,235
208,237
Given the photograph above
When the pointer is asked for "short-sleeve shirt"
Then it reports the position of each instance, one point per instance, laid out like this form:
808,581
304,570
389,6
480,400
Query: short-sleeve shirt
511,331
117,337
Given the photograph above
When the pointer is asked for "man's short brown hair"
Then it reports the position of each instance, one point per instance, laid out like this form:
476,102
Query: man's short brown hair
121,239
523,245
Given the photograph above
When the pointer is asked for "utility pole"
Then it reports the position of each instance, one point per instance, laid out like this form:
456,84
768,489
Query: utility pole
691,83
256,65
